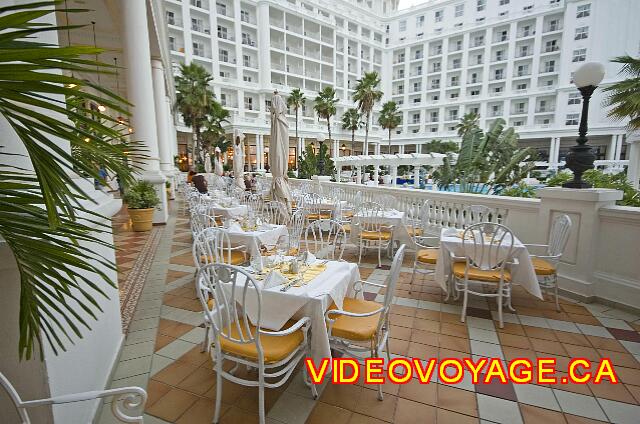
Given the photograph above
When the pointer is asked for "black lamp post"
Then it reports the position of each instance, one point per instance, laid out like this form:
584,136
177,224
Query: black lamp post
320,139
581,158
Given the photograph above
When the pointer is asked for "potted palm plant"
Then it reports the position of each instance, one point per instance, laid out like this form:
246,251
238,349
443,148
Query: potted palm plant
141,201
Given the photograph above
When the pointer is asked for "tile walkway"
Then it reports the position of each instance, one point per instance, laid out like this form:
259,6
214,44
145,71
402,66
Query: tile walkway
162,354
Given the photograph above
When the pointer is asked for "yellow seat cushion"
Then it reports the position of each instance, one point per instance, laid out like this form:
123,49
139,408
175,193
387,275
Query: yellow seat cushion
479,274
375,235
356,328
211,303
294,251
428,256
238,257
543,267
413,231
274,348
347,228
347,214
315,216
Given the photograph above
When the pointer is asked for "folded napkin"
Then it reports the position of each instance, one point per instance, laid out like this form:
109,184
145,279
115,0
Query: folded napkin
450,232
234,227
309,258
274,279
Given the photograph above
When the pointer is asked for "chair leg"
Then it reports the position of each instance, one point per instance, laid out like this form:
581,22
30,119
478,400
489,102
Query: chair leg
376,354
387,350
205,342
500,290
379,259
261,397
465,300
555,290
216,417
413,274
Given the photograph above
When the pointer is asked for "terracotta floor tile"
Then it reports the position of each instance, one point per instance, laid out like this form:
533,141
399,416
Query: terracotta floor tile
343,396
174,373
514,340
511,328
457,400
418,350
572,338
459,344
402,333
446,317
155,390
426,325
425,337
575,309
629,375
635,392
200,412
201,380
368,404
444,416
454,329
364,419
409,412
584,319
620,359
428,314
235,415
249,401
172,405
618,392
604,343
401,320
573,419
423,393
582,351
547,346
162,341
324,413
535,415
398,347
540,333
403,310
196,357
511,353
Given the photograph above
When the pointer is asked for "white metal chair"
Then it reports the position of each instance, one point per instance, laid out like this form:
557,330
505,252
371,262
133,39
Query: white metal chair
363,325
313,208
275,212
427,246
326,238
386,200
275,354
126,401
295,227
546,265
212,245
372,230
475,214
488,250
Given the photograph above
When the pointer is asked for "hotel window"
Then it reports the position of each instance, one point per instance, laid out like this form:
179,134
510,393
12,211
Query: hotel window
478,40
402,25
579,55
419,70
481,19
418,54
504,2
542,106
474,78
197,3
437,66
453,115
435,84
475,92
498,74
246,78
550,66
495,110
400,73
416,118
459,10
435,97
582,33
524,51
420,21
458,45
518,123
479,59
551,46
438,15
523,70
519,107
480,5
522,86
196,24
171,18
572,119
244,16
221,8
416,86
497,89
222,32
172,43
248,103
454,95
434,116
223,99
198,48
583,11
574,99
246,60
455,63
417,100
223,56
455,81
554,25
499,55
400,89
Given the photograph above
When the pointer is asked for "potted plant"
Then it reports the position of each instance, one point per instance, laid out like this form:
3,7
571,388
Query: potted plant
141,201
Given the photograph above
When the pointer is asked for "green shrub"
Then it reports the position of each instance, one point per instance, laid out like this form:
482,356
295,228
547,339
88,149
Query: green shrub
141,195
520,190
598,179
558,179
167,184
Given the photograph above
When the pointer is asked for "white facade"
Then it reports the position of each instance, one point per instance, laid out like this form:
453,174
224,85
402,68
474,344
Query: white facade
501,58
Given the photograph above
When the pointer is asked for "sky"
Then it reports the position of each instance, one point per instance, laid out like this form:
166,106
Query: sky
406,3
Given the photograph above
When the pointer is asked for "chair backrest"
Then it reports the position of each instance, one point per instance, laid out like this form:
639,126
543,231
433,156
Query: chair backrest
475,214
15,398
295,227
487,245
253,202
387,201
559,236
234,291
275,212
391,282
212,245
370,216
202,220
326,239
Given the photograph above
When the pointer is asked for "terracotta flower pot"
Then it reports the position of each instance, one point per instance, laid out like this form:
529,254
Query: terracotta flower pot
141,219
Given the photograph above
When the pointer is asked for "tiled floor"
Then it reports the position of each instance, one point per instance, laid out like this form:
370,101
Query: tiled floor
162,354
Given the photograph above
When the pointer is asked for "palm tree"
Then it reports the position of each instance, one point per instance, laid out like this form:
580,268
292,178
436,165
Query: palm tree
624,96
325,105
366,95
214,134
389,118
467,123
352,121
296,100
43,220
193,101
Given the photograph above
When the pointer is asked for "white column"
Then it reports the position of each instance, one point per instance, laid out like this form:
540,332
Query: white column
618,152
394,175
359,174
401,149
376,174
633,154
260,152
140,94
416,176
376,148
611,150
418,148
554,149
264,44
159,96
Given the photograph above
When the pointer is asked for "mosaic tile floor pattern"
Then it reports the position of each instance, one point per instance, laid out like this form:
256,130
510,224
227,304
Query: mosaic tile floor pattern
162,354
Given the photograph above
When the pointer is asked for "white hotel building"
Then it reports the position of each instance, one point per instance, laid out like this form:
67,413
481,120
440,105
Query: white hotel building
500,58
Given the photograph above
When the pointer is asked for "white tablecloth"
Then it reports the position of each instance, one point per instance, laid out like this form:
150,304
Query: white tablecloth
254,239
310,300
389,217
522,272
230,212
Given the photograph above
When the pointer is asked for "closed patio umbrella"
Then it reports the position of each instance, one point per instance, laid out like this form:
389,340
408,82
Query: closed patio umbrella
238,162
219,170
279,151
207,163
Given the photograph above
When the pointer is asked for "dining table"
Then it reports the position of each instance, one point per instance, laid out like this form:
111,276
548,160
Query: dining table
329,284
254,238
452,246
